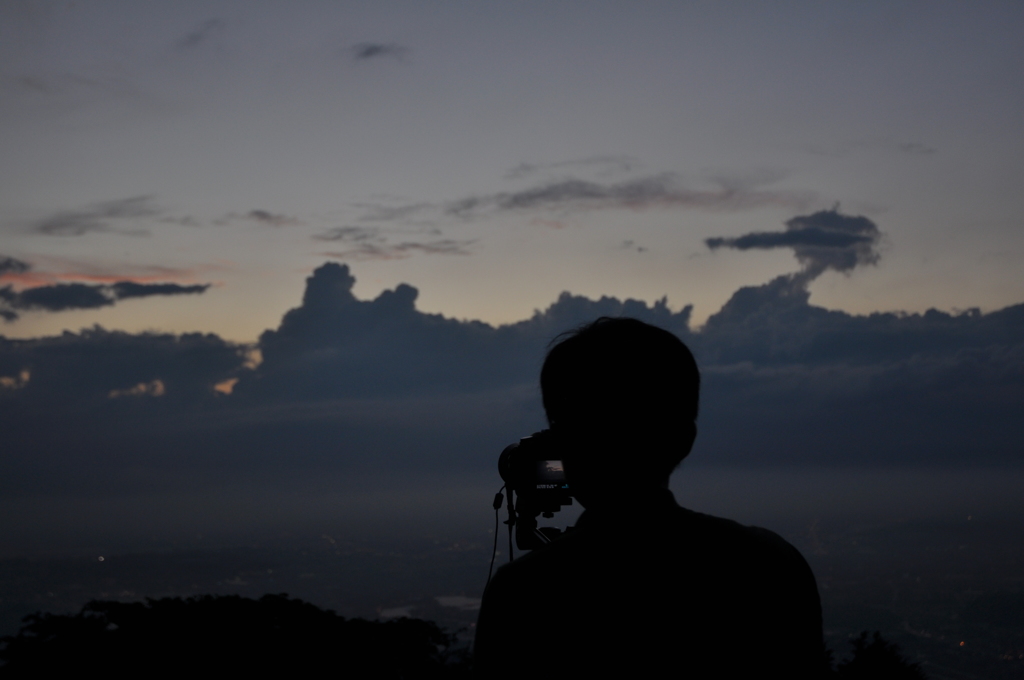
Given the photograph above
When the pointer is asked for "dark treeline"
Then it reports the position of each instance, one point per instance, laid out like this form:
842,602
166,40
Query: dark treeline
278,634
228,634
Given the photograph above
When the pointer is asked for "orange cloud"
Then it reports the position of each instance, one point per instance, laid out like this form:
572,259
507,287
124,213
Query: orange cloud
153,389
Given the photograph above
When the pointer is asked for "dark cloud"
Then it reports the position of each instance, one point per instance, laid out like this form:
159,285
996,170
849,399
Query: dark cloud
129,289
11,265
807,237
370,243
273,219
391,213
823,240
367,51
202,34
85,367
264,217
774,363
382,250
25,272
334,345
568,195
58,297
185,221
657,191
100,217
351,235
351,384
63,296
886,388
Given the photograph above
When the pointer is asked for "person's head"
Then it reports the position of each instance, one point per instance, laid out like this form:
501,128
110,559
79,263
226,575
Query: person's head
622,397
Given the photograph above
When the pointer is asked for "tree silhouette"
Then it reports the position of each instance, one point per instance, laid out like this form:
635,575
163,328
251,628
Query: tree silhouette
278,634
879,659
228,634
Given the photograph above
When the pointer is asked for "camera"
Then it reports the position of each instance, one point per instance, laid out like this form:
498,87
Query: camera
532,470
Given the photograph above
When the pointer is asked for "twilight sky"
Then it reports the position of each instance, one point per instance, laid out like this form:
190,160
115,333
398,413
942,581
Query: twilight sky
304,247
494,155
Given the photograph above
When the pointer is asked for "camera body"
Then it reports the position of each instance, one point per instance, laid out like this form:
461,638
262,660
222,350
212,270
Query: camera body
532,470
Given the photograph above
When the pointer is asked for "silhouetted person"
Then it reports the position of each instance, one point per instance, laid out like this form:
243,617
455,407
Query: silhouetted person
642,587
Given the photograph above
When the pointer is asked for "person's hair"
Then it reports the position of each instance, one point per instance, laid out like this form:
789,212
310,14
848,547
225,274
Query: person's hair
620,369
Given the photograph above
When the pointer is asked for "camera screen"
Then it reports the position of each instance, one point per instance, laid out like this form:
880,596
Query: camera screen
550,474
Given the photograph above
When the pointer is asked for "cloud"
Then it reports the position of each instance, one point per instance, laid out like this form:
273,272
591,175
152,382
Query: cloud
65,270
368,250
569,195
154,388
264,217
604,165
77,369
886,388
823,386
57,298
273,219
810,237
351,235
368,50
185,221
10,265
917,148
348,384
123,290
61,93
100,217
370,243
54,297
656,191
335,345
205,32
391,213
823,240
63,296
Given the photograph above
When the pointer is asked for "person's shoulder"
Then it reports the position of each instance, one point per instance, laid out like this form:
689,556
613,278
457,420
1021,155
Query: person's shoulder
741,536
542,560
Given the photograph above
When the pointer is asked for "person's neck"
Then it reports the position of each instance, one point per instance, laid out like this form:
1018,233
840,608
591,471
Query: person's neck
629,501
